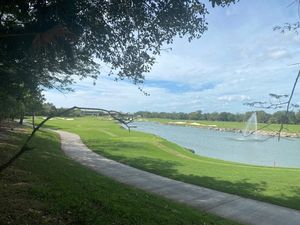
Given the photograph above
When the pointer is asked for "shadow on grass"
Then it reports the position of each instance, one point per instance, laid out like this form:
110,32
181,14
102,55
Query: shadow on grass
104,146
54,127
242,187
168,168
59,191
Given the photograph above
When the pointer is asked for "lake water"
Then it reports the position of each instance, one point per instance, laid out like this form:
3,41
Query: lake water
229,146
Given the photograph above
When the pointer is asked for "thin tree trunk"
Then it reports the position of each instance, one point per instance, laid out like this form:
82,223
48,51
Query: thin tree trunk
33,122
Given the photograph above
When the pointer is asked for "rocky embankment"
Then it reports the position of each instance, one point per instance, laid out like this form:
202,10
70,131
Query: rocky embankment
215,127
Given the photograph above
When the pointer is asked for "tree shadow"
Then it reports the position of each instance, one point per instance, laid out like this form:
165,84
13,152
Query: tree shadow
242,187
54,127
169,168
105,146
291,201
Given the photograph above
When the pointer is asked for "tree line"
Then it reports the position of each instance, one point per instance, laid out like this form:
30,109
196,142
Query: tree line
40,108
262,116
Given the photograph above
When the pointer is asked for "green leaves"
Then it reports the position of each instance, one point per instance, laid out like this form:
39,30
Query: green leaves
57,37
50,43
222,2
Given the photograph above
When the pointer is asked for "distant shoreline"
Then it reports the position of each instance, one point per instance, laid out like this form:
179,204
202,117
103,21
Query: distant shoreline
235,130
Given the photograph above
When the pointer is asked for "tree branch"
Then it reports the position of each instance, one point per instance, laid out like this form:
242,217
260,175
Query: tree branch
289,104
24,148
279,105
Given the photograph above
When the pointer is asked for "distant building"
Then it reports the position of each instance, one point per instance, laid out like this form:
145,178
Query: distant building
86,112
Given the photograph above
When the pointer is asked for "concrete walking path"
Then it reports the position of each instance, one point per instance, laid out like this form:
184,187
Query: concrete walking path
232,207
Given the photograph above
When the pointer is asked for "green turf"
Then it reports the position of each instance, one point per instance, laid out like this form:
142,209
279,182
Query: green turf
45,187
276,185
289,128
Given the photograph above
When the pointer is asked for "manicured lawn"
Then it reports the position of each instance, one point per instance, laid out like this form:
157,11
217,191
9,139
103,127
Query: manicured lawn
234,125
45,187
148,152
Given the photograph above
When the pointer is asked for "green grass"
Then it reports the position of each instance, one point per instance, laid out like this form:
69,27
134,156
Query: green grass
45,187
289,128
151,153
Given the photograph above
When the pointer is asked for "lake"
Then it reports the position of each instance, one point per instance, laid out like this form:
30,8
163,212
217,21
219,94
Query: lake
229,146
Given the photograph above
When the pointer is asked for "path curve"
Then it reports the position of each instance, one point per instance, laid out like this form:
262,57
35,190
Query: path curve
232,207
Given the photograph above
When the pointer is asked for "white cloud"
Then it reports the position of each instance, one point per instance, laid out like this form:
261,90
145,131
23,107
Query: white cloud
180,68
230,98
278,54
238,61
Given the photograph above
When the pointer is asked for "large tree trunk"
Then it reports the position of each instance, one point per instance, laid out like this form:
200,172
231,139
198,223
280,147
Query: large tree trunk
21,118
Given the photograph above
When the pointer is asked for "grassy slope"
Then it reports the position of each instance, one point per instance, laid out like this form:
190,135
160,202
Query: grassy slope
237,125
277,185
45,187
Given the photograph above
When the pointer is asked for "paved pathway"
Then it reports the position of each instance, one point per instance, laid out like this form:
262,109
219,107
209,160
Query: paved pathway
233,207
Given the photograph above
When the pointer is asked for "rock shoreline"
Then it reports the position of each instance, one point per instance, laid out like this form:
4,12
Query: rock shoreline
214,127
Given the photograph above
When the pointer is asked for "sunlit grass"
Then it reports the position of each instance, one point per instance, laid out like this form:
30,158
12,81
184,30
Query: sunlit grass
149,152
44,186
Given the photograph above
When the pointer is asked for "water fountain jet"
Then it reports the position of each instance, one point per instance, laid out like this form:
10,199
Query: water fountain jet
251,126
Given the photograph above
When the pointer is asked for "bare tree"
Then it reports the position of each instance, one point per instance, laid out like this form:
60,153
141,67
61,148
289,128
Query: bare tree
279,102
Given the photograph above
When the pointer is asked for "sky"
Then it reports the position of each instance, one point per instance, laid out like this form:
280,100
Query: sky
238,59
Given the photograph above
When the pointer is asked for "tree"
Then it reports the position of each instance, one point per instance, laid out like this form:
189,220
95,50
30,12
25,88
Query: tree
213,116
45,43
57,39
195,115
33,104
279,117
298,117
47,109
262,116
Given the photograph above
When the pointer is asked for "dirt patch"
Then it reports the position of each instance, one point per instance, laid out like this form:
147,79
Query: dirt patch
9,127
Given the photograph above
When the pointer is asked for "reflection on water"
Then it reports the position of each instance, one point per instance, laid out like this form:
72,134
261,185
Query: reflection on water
249,139
263,150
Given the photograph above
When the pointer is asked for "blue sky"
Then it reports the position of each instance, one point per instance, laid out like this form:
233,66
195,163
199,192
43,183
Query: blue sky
239,59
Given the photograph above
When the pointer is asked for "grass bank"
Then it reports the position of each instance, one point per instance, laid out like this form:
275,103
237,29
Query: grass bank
46,187
151,153
289,128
